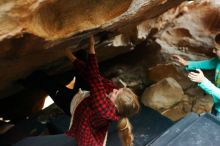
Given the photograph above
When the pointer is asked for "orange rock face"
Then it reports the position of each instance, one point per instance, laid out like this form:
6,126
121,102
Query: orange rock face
34,33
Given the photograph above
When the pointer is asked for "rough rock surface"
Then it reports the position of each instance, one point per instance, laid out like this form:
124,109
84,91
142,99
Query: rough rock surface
33,34
162,71
163,95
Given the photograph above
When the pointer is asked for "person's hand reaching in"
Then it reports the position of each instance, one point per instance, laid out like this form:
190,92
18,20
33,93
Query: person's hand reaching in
197,77
70,55
180,60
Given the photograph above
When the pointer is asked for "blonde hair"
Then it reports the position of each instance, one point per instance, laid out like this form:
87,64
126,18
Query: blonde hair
127,105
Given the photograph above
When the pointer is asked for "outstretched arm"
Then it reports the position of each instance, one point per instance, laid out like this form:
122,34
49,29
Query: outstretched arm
78,64
203,64
70,55
180,60
204,83
107,83
210,88
100,104
192,65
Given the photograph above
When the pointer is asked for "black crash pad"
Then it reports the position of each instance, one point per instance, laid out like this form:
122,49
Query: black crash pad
192,130
147,125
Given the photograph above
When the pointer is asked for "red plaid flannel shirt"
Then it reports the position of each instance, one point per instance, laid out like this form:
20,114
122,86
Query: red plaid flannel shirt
94,114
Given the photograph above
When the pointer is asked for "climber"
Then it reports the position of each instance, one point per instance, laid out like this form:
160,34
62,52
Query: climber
92,111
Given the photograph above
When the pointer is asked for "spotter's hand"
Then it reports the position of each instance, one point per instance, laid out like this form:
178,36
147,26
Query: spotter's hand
180,60
196,77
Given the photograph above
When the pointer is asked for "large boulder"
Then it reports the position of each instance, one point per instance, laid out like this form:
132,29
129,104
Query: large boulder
203,104
163,95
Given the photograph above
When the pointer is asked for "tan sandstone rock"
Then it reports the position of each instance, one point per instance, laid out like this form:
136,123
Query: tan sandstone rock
163,95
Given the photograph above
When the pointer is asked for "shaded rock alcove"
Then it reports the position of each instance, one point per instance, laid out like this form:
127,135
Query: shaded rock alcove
134,41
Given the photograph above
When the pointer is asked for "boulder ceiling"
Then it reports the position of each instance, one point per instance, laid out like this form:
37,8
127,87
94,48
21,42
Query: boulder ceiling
33,33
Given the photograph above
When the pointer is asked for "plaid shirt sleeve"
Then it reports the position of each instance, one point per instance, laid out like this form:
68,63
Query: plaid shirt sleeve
81,67
101,105
109,86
